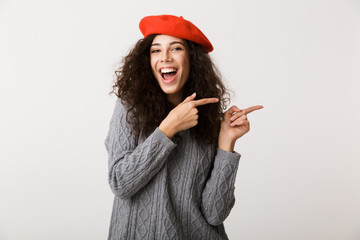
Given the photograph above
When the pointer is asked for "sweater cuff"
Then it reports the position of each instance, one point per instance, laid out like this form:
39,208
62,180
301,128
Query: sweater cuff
232,157
162,139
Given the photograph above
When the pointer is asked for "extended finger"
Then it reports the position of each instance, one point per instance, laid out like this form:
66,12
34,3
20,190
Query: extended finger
205,101
253,108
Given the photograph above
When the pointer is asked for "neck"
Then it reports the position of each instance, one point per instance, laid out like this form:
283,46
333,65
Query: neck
175,98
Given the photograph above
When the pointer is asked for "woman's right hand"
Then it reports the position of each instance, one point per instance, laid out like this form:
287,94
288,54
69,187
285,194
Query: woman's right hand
184,116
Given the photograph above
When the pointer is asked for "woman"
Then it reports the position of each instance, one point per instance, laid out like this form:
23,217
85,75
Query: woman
172,164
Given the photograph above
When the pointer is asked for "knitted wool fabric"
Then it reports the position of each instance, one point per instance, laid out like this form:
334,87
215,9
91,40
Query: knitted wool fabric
177,188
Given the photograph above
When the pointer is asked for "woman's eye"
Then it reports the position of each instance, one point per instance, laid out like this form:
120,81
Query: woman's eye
177,48
155,51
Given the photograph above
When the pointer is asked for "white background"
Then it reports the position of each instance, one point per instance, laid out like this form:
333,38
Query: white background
299,175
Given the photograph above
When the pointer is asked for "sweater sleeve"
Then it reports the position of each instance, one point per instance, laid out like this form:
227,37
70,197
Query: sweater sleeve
218,195
132,166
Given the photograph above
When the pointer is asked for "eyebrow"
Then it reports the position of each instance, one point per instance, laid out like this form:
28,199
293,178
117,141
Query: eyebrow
172,43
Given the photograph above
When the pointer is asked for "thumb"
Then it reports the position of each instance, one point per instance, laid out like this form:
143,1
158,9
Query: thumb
189,98
230,112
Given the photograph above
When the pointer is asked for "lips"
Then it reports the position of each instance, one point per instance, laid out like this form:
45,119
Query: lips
168,74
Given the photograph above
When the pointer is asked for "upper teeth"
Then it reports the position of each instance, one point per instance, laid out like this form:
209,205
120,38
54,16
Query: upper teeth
167,70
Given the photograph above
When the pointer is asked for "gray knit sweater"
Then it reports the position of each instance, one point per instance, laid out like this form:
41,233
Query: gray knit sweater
177,188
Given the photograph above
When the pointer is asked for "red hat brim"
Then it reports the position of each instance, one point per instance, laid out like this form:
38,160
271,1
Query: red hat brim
176,27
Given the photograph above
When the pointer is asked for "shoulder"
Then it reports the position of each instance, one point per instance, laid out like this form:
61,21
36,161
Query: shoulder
120,111
119,130
118,119
119,127
120,108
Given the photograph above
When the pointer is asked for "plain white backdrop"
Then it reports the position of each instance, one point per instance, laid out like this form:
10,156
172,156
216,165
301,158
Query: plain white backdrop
299,173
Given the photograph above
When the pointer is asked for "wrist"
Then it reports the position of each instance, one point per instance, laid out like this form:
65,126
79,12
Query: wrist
226,144
167,130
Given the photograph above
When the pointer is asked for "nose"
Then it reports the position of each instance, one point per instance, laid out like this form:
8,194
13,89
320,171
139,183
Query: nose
166,57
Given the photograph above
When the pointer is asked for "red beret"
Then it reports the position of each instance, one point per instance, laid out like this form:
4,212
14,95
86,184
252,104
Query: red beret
176,27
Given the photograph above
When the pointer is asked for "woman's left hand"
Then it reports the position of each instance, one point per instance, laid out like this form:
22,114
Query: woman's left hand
234,125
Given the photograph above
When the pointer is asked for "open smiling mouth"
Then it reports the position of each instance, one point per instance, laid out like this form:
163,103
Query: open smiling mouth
168,74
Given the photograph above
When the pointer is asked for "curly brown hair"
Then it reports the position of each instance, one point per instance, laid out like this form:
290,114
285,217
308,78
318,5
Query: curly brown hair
147,104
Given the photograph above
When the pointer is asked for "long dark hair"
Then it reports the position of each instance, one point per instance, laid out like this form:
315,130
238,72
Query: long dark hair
147,104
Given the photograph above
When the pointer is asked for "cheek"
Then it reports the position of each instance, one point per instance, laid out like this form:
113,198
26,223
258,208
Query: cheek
152,64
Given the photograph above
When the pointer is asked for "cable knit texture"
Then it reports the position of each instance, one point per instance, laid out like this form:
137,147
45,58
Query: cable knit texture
177,188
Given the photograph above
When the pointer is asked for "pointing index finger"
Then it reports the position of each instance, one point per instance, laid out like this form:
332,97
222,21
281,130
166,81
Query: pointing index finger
205,101
253,108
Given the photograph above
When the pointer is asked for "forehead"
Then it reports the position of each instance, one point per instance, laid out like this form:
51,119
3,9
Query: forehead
166,39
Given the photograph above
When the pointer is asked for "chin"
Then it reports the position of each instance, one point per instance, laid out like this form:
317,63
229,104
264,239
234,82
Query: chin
169,91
